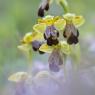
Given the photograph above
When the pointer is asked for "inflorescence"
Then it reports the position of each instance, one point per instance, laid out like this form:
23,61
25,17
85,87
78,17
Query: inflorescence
53,34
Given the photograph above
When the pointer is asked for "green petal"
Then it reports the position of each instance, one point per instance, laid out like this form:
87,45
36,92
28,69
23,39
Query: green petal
31,36
27,38
69,16
78,20
37,36
41,27
60,24
65,48
49,20
46,48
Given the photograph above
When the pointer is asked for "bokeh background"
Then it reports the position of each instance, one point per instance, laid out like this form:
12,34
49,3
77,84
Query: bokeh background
17,18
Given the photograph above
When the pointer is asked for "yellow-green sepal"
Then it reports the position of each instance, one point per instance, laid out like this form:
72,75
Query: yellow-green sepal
65,47
41,27
31,36
78,21
46,48
68,16
72,18
60,24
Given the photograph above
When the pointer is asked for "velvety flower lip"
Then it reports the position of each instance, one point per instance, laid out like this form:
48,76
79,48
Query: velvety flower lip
50,32
41,12
55,60
52,42
57,51
51,35
36,45
72,40
44,6
47,7
54,67
71,32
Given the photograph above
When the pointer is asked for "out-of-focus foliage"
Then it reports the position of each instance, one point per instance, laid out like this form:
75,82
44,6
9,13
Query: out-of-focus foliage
17,17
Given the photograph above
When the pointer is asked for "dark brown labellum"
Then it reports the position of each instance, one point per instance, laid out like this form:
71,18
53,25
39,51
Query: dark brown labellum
55,60
51,35
55,42
51,32
35,49
43,6
36,45
47,7
72,40
71,33
40,12
49,41
54,67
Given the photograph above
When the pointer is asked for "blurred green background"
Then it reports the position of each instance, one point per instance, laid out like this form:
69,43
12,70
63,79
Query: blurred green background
17,17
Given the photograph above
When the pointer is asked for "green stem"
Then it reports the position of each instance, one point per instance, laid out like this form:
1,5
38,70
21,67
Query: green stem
64,5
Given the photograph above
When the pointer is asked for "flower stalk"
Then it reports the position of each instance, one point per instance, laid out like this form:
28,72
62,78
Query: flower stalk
64,5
